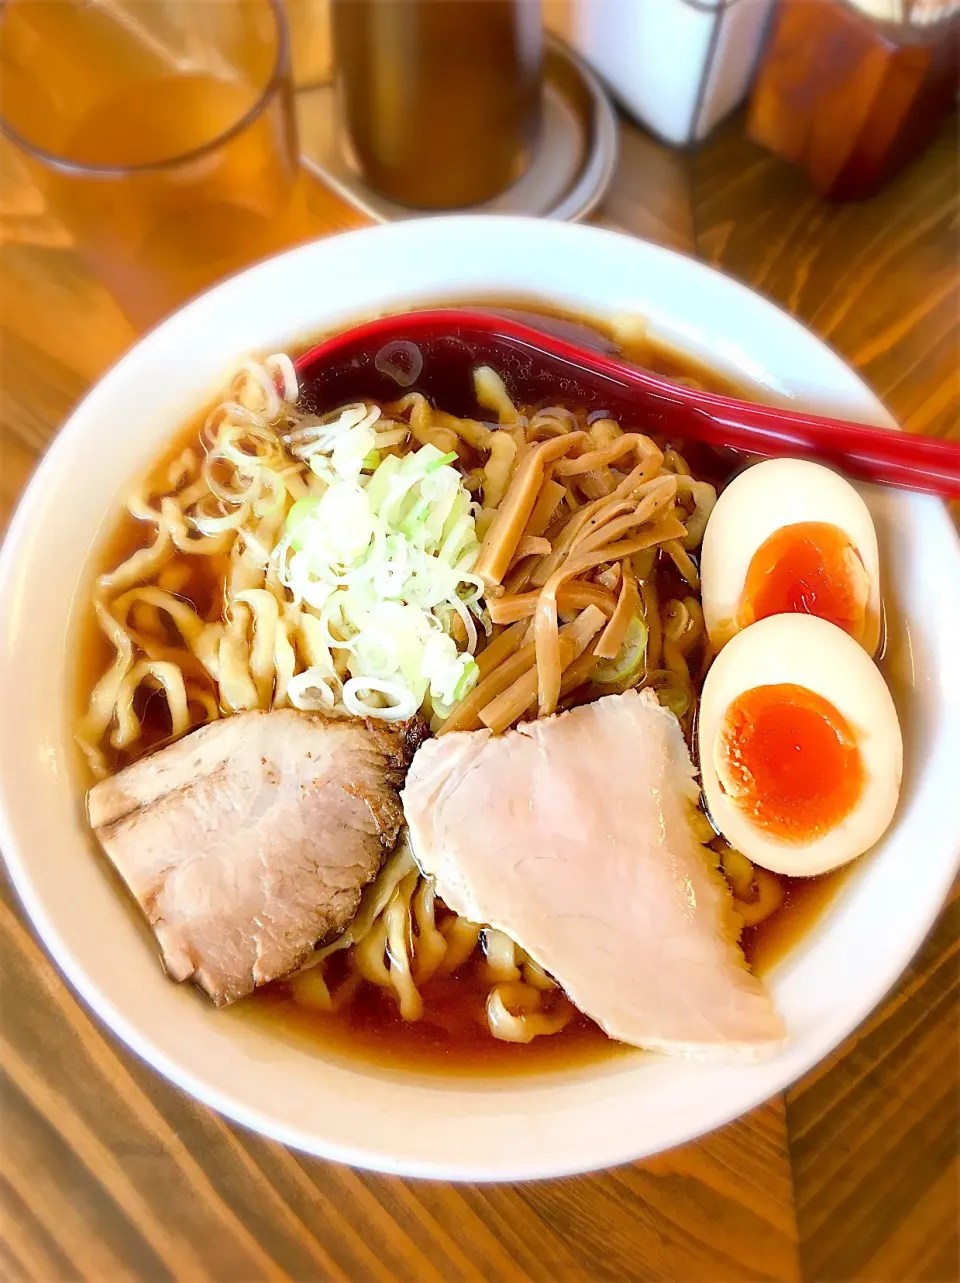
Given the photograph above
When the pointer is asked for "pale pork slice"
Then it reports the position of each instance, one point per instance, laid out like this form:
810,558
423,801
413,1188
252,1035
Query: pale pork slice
572,835
249,841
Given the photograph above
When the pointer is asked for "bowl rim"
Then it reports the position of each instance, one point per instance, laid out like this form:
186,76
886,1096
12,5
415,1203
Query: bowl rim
18,861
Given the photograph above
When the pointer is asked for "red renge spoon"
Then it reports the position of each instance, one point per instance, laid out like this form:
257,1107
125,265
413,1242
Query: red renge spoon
436,351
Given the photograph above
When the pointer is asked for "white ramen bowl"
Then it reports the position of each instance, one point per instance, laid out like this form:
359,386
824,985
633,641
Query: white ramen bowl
540,1124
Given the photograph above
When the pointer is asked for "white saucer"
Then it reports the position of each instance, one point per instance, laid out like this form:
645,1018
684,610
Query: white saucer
567,178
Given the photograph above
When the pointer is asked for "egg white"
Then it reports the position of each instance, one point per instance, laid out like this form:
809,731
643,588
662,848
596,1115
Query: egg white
817,655
767,496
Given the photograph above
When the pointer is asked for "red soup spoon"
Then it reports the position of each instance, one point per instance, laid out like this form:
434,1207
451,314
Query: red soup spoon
436,351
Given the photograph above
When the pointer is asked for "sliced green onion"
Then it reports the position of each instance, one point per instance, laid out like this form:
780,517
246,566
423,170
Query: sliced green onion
356,698
629,660
471,673
415,518
671,693
303,511
312,691
386,559
439,463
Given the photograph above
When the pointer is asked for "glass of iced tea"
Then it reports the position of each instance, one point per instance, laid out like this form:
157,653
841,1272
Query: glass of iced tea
162,132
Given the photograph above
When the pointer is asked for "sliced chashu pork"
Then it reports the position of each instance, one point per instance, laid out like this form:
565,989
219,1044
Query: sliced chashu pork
250,840
572,835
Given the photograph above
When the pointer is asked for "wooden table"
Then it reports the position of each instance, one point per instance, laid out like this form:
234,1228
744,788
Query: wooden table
107,1173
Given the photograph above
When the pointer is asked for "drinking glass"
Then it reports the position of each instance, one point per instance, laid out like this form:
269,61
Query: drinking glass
162,133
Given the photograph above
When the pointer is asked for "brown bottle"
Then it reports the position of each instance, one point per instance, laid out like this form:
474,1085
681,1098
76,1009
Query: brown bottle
851,98
440,98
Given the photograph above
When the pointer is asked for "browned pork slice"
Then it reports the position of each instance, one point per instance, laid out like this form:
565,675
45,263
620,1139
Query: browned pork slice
250,840
573,836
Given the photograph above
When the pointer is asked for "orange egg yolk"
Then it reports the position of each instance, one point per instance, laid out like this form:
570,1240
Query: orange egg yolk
789,761
808,568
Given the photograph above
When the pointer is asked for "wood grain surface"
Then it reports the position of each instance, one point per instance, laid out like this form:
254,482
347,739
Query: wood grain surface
108,1173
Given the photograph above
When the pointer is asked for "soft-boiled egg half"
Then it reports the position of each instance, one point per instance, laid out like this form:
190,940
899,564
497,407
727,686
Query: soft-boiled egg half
800,747
790,537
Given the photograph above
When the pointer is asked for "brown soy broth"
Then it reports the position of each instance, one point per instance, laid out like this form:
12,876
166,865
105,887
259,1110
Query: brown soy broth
804,900
452,1036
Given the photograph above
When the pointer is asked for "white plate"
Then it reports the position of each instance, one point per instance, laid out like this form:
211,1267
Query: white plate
531,1126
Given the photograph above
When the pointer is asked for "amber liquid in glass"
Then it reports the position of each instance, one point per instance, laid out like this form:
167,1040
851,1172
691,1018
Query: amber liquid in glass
440,98
234,209
203,184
